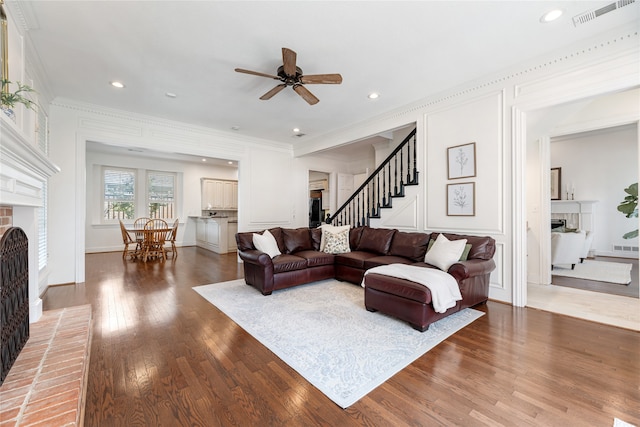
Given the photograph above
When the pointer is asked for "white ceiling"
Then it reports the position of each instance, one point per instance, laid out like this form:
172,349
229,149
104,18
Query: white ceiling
406,51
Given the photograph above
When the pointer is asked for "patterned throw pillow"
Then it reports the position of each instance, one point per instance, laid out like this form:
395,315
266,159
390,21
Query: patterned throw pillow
336,243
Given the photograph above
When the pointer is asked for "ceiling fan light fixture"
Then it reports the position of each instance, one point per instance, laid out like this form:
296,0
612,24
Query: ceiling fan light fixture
551,16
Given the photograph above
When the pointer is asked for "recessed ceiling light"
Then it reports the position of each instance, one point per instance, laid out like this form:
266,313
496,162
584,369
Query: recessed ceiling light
373,95
230,162
296,130
119,85
170,95
235,127
204,160
552,15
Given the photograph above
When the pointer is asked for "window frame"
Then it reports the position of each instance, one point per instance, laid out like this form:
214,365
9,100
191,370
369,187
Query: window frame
104,201
149,201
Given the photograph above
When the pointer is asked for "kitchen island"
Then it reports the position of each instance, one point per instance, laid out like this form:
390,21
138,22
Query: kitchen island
216,233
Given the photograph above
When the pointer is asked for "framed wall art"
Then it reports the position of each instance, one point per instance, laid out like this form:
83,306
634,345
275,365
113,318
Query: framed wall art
461,161
556,183
461,199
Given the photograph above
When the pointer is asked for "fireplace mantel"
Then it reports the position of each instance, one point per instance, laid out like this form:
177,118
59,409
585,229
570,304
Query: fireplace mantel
582,210
23,167
23,171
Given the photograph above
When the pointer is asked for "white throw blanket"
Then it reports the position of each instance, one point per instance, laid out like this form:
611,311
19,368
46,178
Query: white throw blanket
443,286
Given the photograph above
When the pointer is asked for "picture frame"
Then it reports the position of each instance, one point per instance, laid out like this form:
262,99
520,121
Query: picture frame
461,161
556,183
461,199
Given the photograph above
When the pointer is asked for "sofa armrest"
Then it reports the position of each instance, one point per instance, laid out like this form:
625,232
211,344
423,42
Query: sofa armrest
470,268
254,256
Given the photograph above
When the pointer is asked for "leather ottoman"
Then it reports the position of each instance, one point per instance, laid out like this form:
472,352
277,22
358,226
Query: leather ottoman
403,299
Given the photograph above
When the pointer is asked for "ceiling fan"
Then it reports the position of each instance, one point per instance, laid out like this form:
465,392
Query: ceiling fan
291,75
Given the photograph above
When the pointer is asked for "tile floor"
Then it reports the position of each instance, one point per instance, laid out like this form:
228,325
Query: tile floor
45,386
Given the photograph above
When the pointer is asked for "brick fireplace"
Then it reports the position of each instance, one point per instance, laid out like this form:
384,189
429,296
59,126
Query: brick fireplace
23,171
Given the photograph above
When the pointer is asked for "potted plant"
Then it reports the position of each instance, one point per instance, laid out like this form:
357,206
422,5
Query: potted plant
8,100
629,207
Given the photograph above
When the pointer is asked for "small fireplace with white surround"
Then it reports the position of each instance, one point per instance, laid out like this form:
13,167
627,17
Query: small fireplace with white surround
577,213
23,171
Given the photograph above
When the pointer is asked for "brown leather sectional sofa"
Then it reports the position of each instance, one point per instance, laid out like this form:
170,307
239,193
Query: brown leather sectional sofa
302,262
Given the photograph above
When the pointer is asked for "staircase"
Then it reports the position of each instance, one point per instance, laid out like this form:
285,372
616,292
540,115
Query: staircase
387,182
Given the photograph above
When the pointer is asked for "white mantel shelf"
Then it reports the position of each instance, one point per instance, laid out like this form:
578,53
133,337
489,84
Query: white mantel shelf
571,206
583,209
23,167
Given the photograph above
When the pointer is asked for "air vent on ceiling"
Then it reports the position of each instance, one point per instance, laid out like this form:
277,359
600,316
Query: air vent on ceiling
593,14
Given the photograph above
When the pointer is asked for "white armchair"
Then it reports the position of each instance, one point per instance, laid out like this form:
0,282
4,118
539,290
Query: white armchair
588,240
567,248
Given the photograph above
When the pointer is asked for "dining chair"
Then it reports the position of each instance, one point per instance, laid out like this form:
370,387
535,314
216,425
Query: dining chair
171,238
139,224
127,240
155,233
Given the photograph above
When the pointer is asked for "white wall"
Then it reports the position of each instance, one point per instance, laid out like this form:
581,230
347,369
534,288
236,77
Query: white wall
601,164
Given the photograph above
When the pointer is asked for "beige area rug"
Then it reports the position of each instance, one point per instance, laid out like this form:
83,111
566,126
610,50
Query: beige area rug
600,271
323,331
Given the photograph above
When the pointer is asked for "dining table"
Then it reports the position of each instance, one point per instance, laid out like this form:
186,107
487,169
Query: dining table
150,241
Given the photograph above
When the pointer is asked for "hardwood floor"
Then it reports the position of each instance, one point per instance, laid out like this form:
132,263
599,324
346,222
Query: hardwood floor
162,355
630,290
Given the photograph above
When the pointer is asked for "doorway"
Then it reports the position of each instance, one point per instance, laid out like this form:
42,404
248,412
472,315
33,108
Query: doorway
541,127
319,196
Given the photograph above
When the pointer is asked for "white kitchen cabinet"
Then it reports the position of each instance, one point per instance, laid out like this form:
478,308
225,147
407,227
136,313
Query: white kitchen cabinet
219,194
213,234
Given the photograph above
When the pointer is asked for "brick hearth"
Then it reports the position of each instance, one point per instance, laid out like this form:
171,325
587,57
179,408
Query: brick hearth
46,385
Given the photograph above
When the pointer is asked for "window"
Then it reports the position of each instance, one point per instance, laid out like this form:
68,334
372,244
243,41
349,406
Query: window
119,194
161,194
42,136
42,229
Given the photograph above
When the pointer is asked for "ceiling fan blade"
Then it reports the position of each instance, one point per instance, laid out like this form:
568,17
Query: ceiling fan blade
272,92
322,79
255,73
305,94
289,61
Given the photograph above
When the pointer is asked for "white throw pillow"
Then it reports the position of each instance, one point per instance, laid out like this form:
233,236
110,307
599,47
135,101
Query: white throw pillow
266,243
444,252
336,243
332,229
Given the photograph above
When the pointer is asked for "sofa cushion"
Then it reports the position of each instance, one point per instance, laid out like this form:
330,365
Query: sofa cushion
354,237
332,229
266,243
409,245
465,253
336,243
286,262
245,241
376,240
354,259
482,247
316,238
277,234
298,239
315,258
445,252
385,260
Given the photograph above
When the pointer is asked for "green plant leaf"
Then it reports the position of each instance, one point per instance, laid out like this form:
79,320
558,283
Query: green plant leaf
631,234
